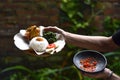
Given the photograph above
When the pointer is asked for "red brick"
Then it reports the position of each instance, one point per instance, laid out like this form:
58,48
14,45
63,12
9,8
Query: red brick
112,11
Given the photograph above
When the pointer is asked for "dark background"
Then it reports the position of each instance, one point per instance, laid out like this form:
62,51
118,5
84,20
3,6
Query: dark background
20,14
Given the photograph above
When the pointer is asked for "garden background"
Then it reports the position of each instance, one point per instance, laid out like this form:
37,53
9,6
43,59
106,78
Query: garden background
88,17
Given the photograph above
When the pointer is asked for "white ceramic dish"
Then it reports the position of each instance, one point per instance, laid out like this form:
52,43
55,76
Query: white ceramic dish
21,43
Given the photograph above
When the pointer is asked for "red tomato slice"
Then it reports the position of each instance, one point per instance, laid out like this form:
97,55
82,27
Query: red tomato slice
51,46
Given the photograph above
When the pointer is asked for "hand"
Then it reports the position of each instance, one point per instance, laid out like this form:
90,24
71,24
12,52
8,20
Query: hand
104,74
54,29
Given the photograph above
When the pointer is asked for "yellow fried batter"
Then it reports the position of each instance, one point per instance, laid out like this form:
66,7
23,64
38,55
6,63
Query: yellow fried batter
32,31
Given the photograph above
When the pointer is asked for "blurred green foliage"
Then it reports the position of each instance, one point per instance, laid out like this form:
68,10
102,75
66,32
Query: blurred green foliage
41,74
78,15
111,25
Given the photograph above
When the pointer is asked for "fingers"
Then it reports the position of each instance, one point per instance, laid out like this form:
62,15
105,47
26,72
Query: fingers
50,28
53,29
95,75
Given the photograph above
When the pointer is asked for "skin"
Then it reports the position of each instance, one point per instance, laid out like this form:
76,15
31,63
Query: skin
104,75
99,43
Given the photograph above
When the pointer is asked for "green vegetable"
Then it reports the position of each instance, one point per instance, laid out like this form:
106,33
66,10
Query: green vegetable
50,36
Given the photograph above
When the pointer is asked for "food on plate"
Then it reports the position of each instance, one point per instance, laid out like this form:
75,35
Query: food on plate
52,45
88,64
32,31
50,36
38,44
35,40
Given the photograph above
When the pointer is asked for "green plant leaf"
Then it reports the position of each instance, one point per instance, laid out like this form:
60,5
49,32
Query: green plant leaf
111,54
87,1
16,68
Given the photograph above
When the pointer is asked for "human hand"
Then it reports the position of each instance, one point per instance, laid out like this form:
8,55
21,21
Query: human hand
54,29
103,75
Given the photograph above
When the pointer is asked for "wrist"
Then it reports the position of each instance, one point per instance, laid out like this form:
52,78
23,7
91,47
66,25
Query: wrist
108,74
63,32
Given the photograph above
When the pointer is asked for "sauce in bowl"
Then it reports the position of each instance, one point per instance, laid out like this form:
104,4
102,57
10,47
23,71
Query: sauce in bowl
88,64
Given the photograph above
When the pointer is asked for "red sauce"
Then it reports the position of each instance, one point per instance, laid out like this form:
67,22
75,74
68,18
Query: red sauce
88,64
52,45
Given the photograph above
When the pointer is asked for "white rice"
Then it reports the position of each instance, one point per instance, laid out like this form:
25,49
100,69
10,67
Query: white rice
38,45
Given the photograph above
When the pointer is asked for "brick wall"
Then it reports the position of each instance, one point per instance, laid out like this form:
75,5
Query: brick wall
17,14
111,8
22,13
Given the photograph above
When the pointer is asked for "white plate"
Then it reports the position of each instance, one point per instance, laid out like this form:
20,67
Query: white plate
21,43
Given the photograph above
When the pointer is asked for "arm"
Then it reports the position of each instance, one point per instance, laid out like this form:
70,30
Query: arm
99,43
114,77
106,75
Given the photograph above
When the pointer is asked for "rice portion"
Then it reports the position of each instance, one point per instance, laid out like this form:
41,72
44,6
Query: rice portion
39,44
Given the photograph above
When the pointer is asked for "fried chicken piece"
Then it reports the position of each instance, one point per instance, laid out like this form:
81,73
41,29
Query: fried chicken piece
32,31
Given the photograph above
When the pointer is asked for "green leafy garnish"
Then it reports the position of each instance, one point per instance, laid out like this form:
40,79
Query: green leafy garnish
50,36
